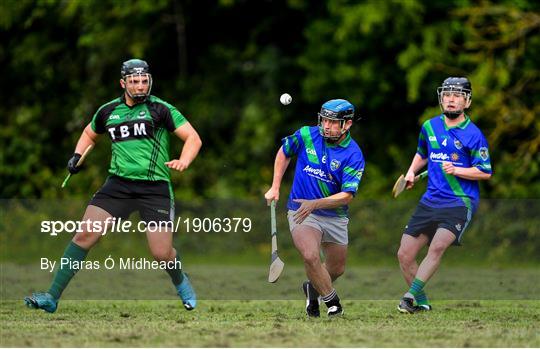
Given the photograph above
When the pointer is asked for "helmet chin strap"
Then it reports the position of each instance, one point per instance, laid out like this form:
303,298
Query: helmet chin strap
139,98
452,115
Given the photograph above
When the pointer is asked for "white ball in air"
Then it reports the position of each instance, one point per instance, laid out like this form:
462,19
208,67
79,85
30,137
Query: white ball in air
285,99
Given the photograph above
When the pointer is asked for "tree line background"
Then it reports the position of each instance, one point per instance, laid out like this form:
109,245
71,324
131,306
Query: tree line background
225,63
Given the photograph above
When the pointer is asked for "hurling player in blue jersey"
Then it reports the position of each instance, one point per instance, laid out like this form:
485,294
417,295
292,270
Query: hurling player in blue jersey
457,156
328,171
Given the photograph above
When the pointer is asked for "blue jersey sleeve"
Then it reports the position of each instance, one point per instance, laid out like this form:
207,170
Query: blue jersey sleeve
421,149
291,144
352,174
480,154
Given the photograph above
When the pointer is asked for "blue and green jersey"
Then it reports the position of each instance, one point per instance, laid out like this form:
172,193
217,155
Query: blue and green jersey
323,169
463,145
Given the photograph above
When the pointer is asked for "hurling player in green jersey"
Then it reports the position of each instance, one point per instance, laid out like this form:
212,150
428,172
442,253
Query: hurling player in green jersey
138,125
457,156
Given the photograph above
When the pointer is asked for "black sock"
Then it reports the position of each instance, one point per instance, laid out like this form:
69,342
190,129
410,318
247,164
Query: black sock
331,299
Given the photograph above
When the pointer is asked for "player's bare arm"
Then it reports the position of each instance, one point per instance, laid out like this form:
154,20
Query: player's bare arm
471,173
332,201
416,165
88,137
192,145
280,166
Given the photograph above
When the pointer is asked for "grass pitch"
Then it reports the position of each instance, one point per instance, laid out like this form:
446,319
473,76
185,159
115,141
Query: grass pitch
271,324
237,307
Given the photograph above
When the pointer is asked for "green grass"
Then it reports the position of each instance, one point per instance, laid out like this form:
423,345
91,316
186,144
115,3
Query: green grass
479,307
234,282
270,324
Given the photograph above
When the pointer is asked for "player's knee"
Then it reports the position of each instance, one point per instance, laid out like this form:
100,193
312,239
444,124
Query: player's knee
404,256
311,258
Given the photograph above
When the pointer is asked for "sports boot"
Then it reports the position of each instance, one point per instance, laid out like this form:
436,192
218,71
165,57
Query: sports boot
41,300
312,300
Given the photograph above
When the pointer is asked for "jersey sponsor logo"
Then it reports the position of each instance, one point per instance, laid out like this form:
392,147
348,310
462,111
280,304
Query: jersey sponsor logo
114,117
317,173
458,144
454,157
131,130
439,156
334,164
142,114
484,153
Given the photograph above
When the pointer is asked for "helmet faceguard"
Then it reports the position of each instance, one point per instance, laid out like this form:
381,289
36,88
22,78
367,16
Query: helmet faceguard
335,109
456,87
135,72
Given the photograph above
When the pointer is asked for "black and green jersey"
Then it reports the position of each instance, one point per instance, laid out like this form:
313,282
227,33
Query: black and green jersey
139,135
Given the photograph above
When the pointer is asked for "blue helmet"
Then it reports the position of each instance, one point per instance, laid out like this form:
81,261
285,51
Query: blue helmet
336,109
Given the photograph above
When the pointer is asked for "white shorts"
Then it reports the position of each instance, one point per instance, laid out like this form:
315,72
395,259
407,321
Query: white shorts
334,229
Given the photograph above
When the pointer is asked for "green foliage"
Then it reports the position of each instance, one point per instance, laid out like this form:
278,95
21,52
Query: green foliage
496,46
387,57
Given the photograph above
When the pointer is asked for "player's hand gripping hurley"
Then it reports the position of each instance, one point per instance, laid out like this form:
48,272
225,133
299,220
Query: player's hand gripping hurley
79,163
401,183
276,264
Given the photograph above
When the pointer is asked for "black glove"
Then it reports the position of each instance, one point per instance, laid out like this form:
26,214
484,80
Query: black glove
72,163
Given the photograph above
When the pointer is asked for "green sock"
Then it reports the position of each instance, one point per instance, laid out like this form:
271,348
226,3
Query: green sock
176,272
421,298
63,276
417,287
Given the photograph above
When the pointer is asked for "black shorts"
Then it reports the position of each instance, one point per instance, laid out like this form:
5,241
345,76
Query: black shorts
426,220
120,197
